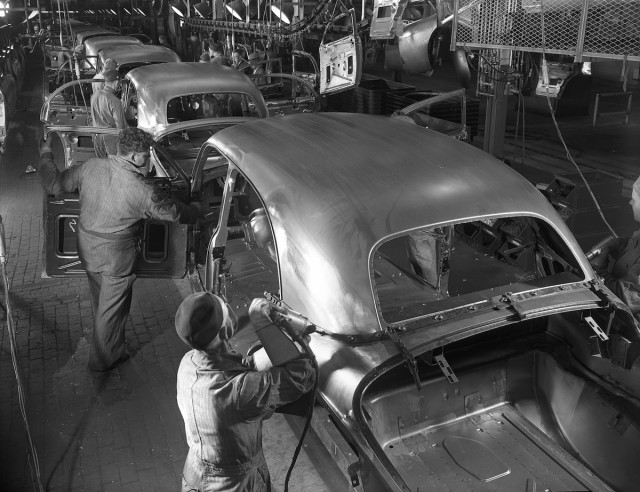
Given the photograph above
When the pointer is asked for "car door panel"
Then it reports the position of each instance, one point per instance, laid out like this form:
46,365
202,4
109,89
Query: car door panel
61,215
163,245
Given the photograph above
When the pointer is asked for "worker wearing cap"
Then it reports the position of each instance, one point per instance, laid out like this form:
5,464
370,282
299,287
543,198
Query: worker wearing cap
107,112
619,261
224,399
239,63
257,68
109,64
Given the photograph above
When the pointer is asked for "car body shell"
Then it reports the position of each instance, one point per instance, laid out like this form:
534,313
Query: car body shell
447,191
129,56
95,44
157,84
335,189
83,36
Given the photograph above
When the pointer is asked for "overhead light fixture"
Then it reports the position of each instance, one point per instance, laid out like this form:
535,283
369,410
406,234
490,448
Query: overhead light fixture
178,10
283,11
236,9
3,11
128,13
32,14
203,10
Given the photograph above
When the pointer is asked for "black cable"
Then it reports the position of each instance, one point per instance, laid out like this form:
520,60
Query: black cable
307,423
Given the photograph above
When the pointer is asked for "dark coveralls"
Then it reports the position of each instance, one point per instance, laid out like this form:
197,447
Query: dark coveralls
107,112
114,197
621,270
223,402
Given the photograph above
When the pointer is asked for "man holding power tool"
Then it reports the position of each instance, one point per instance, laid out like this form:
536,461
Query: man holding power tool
223,398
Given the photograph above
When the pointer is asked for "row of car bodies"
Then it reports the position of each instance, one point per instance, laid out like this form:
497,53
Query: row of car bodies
73,53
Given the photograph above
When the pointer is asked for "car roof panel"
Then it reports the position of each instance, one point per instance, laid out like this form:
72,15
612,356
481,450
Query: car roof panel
124,55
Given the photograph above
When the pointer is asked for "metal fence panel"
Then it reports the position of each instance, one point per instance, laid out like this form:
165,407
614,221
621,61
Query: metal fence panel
596,28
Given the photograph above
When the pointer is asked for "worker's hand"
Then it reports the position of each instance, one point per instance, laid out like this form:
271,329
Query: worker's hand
260,311
45,145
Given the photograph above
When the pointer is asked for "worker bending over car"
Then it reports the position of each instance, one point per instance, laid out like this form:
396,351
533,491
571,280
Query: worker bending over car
223,399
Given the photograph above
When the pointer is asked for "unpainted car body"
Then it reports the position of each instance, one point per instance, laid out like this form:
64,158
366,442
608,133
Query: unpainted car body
462,338
95,44
129,57
164,94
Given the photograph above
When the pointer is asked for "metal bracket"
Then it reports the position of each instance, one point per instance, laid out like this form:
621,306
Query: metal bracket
596,328
407,356
445,368
511,300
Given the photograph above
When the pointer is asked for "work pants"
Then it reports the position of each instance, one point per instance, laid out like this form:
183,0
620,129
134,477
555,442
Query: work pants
111,299
109,262
201,476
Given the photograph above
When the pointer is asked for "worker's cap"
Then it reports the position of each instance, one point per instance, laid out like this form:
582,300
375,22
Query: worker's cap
109,64
204,57
636,186
203,316
255,56
110,75
215,47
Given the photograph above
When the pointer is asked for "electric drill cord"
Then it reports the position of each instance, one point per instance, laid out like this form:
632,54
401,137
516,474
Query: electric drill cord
307,423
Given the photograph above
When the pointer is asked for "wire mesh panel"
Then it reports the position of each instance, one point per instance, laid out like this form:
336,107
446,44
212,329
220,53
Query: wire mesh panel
598,28
613,28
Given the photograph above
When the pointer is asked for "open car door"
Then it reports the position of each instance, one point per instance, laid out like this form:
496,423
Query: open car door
341,62
163,245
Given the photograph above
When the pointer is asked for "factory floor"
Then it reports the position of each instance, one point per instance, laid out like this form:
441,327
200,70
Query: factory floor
122,431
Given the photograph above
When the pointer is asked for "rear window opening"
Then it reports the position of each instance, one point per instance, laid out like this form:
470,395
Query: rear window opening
210,105
506,254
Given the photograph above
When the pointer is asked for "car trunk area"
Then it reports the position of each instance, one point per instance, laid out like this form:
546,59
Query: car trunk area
520,417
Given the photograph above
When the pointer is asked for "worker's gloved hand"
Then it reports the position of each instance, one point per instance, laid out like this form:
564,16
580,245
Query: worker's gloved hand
45,145
260,312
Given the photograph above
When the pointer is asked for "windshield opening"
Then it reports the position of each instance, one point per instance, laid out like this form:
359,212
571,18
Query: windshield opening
414,272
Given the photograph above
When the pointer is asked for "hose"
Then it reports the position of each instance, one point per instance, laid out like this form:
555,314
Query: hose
309,416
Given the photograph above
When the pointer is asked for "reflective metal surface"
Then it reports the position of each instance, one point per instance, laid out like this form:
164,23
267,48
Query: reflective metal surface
95,44
340,188
147,54
157,84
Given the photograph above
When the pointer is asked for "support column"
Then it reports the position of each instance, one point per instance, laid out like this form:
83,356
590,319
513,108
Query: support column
496,113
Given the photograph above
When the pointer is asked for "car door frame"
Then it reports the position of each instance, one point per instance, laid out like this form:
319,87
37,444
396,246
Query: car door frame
61,217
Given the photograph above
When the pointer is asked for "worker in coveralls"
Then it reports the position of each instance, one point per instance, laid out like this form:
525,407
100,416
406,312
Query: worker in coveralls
107,112
114,197
619,261
224,399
